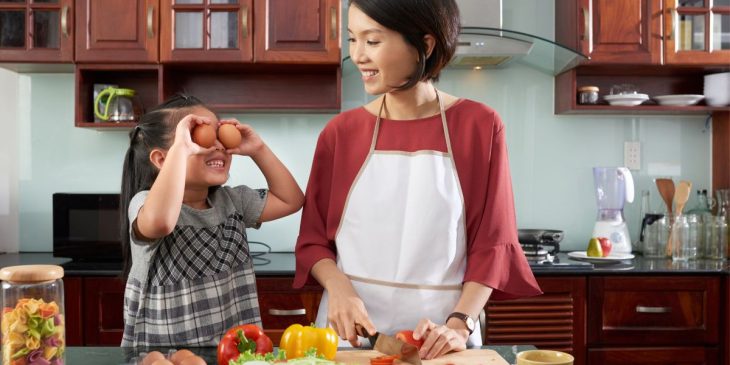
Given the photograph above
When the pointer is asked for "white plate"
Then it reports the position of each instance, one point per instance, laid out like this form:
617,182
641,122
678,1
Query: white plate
614,257
678,100
626,99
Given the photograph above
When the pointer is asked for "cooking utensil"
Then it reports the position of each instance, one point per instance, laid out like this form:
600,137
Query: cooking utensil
466,357
666,190
680,199
390,345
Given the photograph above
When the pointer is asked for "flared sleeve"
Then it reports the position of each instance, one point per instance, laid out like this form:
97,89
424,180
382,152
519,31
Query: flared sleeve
312,244
494,256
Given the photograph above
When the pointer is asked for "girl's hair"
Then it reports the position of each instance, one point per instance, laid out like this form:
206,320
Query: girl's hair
414,19
154,130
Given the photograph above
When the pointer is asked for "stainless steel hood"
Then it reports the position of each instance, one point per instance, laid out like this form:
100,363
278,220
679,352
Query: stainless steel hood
483,43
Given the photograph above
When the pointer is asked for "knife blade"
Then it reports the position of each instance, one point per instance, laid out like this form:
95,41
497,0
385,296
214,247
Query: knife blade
390,345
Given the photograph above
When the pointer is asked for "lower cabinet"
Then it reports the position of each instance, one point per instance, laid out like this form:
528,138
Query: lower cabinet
282,306
94,310
72,290
554,320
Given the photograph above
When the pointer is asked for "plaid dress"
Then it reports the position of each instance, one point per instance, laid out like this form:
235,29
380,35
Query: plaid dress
188,288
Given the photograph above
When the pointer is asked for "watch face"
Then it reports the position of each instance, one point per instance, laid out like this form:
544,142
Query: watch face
470,323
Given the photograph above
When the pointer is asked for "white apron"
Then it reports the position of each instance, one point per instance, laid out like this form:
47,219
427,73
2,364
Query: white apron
401,239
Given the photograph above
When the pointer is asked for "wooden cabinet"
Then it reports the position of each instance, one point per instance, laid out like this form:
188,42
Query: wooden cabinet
72,289
612,31
104,311
117,31
36,31
634,320
305,33
282,306
207,31
554,320
697,32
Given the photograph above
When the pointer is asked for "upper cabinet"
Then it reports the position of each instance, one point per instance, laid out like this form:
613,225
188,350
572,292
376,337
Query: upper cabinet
208,31
697,32
36,31
305,31
117,31
612,31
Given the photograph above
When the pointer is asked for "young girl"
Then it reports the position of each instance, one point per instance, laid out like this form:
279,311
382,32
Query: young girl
189,272
409,221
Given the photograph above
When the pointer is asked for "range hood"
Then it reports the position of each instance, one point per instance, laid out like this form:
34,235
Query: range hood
483,43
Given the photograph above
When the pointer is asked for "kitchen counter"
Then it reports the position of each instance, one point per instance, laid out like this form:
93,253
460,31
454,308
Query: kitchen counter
121,355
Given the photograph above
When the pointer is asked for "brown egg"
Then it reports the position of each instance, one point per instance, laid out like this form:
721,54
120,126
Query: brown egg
162,362
204,135
229,135
178,356
192,360
151,358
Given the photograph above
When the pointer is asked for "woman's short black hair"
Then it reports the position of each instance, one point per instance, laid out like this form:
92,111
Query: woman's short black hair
414,19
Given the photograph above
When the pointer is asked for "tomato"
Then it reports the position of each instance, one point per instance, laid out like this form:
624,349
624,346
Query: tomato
297,340
384,360
240,339
407,337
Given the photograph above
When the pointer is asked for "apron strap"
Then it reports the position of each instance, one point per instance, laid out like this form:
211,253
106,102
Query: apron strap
403,285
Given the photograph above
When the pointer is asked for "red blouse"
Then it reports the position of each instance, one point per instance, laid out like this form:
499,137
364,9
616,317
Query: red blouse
494,256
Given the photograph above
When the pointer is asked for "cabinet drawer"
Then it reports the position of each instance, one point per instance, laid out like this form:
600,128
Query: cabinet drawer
654,356
653,310
282,306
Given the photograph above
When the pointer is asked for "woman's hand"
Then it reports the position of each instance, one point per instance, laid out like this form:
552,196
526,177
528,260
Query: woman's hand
439,339
344,310
183,134
251,142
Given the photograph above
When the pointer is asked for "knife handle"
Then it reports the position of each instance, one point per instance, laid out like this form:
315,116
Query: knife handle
361,331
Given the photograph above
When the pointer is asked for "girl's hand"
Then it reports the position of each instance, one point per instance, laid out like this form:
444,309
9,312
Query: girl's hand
344,310
439,339
183,136
251,143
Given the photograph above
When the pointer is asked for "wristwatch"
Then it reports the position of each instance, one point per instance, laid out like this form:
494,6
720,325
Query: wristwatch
465,318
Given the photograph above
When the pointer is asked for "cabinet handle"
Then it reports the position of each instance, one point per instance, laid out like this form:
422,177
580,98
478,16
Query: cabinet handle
150,28
244,21
287,312
333,23
64,21
643,309
585,24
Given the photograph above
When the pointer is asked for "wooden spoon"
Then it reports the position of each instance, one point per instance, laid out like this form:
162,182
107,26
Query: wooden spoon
666,190
680,199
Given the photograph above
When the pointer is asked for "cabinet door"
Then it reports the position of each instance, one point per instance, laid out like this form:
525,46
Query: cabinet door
117,31
305,31
697,32
653,356
207,31
554,320
104,307
646,311
624,31
36,31
282,306
72,292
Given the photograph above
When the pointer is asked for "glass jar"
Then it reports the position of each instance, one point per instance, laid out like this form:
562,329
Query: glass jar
33,319
588,95
716,234
684,237
656,233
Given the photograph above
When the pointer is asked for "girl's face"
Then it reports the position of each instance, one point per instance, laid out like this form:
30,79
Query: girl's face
209,169
384,58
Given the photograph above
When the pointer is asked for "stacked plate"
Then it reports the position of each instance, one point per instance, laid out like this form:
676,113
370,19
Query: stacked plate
626,99
678,100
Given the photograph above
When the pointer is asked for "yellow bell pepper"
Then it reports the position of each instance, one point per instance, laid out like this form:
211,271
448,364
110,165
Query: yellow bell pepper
298,339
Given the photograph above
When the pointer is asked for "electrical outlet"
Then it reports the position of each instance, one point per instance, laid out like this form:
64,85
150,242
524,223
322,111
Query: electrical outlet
632,155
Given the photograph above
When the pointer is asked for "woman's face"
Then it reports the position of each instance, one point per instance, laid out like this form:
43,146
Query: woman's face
209,169
384,58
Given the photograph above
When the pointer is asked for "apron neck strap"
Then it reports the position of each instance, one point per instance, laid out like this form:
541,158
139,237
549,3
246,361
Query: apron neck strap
443,123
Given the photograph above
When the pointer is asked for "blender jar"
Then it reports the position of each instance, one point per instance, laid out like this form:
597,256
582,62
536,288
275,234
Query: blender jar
33,317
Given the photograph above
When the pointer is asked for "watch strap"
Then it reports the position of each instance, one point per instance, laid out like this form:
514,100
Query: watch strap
468,321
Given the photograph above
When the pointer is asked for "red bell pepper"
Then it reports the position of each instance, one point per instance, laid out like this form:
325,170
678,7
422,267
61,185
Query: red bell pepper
239,339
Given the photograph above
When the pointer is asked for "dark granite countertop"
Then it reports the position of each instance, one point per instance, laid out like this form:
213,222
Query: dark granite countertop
283,263
122,355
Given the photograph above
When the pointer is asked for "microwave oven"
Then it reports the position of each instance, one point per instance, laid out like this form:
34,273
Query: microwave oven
86,227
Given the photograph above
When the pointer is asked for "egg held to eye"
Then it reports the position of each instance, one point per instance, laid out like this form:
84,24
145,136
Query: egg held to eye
204,135
192,360
178,356
151,358
229,136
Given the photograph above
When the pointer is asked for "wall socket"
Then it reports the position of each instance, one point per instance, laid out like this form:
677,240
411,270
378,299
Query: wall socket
632,155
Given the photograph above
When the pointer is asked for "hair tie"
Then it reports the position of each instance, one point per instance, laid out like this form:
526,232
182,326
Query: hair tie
135,132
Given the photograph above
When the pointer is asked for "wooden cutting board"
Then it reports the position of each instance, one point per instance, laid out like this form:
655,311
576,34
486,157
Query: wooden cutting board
466,357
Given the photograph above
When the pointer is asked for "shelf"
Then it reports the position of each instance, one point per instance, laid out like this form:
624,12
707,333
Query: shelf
645,109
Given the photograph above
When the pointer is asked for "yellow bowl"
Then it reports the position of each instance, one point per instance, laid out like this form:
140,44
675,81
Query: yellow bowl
544,357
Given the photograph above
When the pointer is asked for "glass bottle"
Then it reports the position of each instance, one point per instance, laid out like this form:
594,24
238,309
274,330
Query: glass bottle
717,239
33,319
703,211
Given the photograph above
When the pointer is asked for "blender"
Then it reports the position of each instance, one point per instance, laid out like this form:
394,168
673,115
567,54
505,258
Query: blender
614,187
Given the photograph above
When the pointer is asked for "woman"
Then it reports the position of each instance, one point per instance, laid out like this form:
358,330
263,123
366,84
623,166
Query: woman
409,220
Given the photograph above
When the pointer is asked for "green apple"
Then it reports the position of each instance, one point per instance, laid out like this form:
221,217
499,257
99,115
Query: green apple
594,248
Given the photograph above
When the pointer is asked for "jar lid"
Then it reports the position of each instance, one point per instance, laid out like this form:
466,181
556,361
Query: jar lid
31,273
588,88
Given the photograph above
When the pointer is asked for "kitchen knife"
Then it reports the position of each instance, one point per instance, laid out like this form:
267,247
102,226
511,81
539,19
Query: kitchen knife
390,345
